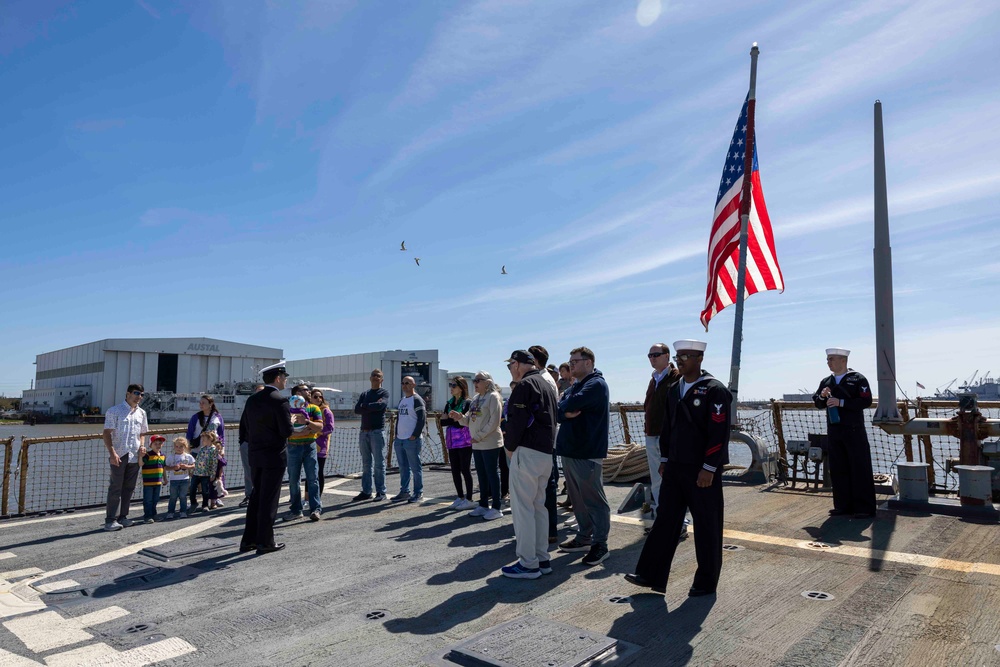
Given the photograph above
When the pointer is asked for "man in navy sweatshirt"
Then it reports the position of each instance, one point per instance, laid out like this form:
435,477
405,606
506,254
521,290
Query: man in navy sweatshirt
582,443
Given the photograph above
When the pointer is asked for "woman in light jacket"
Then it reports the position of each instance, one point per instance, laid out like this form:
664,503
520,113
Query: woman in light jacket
483,420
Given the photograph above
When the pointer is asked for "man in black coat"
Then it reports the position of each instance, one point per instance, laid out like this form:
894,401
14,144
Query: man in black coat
845,394
267,423
694,446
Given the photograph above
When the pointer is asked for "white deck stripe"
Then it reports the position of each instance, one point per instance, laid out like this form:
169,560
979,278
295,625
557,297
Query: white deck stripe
932,562
6,555
16,574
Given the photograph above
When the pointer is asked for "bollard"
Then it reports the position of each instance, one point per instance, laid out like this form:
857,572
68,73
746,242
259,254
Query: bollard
974,484
912,479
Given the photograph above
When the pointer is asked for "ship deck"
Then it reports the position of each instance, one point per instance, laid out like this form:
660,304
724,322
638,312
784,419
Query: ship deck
395,585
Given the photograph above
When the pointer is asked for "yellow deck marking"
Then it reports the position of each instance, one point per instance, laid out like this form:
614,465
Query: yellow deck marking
847,550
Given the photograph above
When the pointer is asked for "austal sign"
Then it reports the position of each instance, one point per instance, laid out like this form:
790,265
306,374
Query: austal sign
202,347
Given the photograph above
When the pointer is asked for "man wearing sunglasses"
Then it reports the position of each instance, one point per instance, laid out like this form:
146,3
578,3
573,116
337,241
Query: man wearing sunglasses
124,426
665,375
694,446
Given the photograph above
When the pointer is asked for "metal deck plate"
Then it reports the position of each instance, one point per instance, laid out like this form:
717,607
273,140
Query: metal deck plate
195,546
532,642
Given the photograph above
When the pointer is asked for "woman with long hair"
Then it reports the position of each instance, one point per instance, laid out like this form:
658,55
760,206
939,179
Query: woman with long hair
483,420
323,439
206,419
459,442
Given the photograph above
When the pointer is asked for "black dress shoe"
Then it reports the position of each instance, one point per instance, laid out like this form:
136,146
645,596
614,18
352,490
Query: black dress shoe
261,549
640,580
247,547
694,592
245,502
838,512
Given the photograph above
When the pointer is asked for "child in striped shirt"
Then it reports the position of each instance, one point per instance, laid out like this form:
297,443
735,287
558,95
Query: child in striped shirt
153,477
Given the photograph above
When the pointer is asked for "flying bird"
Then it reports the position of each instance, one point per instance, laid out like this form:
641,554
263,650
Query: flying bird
417,260
503,270
402,246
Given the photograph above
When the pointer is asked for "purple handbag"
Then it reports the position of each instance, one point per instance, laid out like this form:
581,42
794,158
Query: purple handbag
458,437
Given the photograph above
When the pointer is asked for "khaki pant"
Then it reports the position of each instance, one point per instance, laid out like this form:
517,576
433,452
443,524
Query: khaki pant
529,473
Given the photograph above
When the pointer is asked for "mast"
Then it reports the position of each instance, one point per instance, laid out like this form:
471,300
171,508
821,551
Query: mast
741,278
885,336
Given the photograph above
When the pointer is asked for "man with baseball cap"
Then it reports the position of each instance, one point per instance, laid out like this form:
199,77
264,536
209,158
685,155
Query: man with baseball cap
529,440
845,394
694,446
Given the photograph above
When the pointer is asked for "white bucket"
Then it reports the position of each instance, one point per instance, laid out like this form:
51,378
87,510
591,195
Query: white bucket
912,479
974,484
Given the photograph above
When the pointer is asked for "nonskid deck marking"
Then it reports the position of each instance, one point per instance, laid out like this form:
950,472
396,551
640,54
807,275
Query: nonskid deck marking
932,562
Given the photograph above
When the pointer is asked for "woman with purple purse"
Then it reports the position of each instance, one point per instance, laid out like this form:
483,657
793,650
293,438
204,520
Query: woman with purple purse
459,443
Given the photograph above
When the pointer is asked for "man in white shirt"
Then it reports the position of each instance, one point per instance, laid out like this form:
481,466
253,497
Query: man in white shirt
411,417
124,426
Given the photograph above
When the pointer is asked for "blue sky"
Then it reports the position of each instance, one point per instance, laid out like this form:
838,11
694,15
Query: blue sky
246,171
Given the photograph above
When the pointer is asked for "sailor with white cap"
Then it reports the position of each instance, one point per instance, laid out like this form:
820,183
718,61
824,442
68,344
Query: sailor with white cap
694,445
845,394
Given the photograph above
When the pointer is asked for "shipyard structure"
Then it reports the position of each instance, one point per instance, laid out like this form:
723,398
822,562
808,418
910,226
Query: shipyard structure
350,372
94,376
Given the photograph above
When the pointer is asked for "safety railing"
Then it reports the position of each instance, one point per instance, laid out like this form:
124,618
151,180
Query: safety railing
7,450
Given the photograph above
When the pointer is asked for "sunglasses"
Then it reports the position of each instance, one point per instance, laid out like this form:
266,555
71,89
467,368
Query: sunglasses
575,361
654,355
479,380
138,393
685,357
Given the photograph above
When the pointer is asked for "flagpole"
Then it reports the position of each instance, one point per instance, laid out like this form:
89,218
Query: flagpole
741,280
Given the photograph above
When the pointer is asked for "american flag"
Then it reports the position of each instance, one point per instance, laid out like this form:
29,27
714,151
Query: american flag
920,386
763,272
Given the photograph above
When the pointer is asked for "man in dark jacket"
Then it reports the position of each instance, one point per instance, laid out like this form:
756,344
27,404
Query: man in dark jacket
583,445
845,394
267,423
529,440
695,447
371,406
654,409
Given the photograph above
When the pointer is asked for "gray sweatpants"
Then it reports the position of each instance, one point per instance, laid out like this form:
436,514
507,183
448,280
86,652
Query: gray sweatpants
585,486
120,487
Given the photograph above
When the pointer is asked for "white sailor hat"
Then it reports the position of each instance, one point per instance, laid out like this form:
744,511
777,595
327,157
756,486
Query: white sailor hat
837,352
687,344
280,367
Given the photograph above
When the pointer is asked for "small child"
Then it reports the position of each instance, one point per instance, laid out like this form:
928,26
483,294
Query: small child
219,483
153,477
298,407
179,464
206,467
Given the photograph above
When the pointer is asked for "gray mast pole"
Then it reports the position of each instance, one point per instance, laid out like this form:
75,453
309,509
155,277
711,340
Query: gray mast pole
741,279
885,336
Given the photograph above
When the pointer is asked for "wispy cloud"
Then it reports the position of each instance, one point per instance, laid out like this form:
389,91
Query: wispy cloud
148,9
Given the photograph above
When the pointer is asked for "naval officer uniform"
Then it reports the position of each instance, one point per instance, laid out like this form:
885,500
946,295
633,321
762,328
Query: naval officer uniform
694,445
847,438
267,421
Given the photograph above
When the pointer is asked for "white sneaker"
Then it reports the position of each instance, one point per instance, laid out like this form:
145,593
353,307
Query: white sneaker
467,504
182,515
457,503
125,522
492,514
169,515
479,511
112,525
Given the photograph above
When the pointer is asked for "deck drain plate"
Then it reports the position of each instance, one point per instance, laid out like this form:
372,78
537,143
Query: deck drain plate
732,547
376,615
817,595
620,599
397,557
816,545
530,641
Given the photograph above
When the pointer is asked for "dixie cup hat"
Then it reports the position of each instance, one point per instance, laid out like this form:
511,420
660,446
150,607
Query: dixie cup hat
837,352
688,344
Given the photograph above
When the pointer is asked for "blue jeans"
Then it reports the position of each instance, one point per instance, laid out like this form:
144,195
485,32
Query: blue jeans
408,455
372,446
488,471
150,496
178,489
299,457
